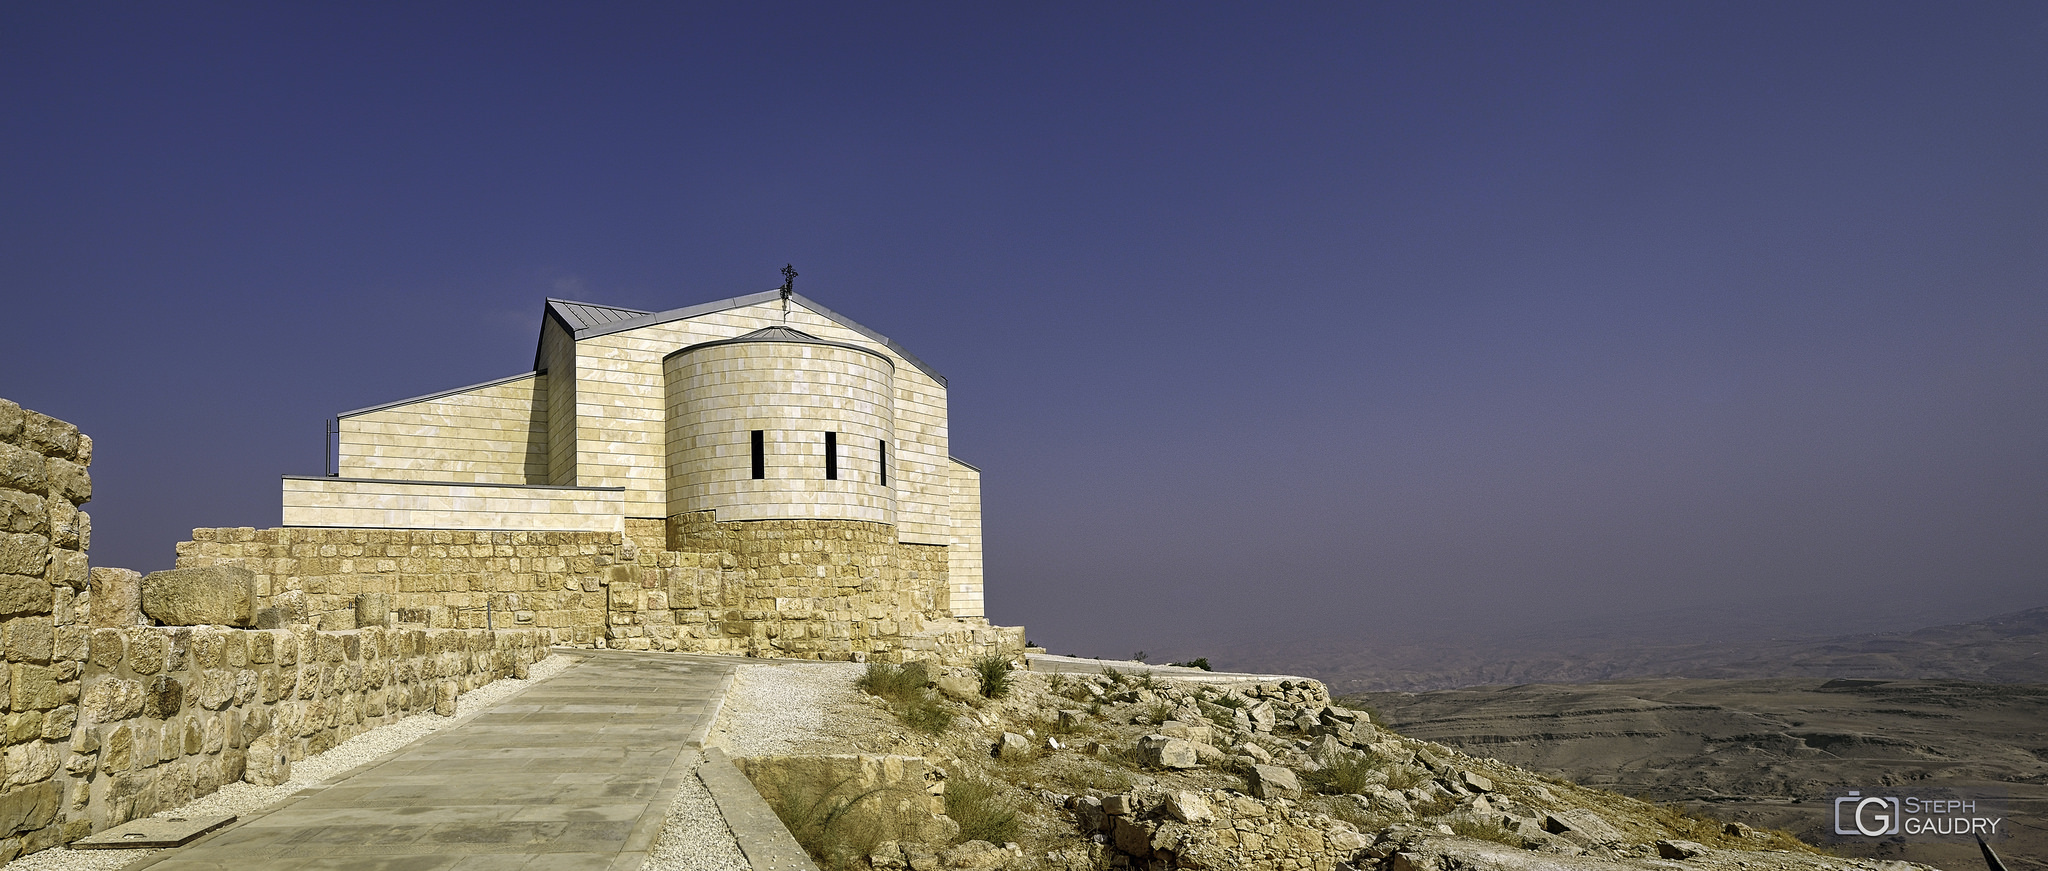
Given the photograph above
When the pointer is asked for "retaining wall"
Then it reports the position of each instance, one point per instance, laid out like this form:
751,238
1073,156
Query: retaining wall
169,713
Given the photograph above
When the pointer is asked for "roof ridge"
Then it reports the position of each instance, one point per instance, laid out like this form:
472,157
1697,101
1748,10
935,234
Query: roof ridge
599,305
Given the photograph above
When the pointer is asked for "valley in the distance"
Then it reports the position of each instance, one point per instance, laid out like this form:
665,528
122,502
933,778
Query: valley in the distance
1761,732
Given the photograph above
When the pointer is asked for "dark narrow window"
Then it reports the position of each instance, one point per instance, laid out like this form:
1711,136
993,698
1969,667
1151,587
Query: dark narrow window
831,456
760,456
885,462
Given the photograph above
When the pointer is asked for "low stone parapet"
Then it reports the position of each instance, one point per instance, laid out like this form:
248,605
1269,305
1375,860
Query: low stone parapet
167,714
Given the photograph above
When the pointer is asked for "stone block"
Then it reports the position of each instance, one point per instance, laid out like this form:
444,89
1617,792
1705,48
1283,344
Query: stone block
111,700
891,795
68,480
116,597
22,469
163,697
37,688
25,594
373,609
1165,751
268,762
30,640
1188,807
1272,781
67,568
208,595
23,512
24,554
1013,746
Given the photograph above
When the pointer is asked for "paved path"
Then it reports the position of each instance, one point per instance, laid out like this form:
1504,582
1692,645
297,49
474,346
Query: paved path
575,773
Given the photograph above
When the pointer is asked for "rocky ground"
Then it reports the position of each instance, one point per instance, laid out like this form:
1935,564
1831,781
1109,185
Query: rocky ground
1134,771
1768,752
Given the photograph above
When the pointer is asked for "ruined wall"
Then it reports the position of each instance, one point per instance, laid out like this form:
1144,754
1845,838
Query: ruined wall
446,579
805,589
43,539
171,713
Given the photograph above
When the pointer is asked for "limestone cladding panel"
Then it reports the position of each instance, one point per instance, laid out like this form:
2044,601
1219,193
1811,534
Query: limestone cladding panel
328,502
558,357
490,435
963,556
621,410
793,393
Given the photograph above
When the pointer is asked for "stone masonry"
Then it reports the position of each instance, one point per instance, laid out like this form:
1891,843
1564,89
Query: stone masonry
810,589
107,720
43,540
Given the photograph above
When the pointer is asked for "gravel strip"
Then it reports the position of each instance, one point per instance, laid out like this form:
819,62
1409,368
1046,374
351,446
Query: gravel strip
244,798
695,837
779,708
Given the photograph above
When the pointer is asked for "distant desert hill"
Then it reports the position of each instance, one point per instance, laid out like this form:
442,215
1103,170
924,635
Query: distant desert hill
2012,648
1769,752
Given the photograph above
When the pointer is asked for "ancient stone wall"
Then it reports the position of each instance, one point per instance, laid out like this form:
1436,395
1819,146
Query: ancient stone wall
170,713
43,540
438,578
808,589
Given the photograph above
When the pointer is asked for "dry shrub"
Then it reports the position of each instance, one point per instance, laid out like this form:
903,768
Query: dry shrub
981,810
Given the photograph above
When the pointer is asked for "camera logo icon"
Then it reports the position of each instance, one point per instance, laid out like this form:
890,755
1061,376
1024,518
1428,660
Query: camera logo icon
1868,815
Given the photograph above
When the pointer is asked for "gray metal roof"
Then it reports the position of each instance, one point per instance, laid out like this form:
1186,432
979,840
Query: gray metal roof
785,334
581,316
631,319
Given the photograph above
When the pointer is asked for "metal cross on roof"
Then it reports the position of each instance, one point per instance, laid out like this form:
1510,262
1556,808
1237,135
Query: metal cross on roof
788,287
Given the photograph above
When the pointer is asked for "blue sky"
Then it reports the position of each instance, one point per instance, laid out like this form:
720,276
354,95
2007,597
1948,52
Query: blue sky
1279,319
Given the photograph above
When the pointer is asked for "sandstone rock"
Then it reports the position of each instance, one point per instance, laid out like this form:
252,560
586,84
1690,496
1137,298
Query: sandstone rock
1272,781
959,687
1163,751
1132,836
218,595
1584,823
889,795
268,761
1072,719
888,856
1674,849
1116,805
1327,751
1476,781
1199,733
445,694
974,855
116,597
1261,716
1012,746
1256,752
1188,807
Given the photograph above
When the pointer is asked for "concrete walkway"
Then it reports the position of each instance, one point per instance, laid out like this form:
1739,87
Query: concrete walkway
575,773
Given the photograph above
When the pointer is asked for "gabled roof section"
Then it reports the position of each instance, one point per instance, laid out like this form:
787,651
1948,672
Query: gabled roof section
579,316
619,320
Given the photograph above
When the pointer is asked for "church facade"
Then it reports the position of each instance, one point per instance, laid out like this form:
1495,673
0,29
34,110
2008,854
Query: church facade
791,458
